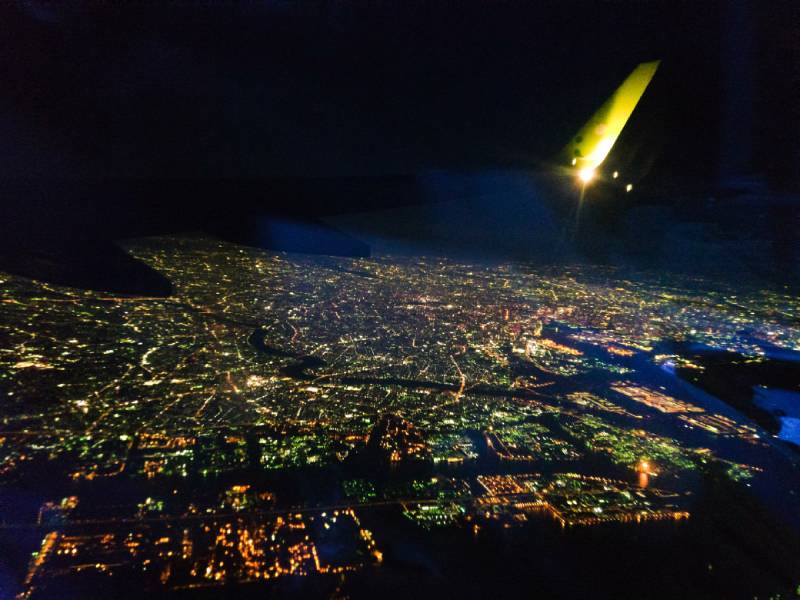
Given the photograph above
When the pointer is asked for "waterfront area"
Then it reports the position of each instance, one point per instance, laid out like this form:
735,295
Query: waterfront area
287,417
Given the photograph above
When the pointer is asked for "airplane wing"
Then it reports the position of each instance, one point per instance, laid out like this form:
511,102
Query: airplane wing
588,149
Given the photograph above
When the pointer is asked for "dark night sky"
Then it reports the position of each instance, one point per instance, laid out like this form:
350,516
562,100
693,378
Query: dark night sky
262,89
138,118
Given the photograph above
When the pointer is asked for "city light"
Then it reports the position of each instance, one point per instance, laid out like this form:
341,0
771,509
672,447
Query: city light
396,362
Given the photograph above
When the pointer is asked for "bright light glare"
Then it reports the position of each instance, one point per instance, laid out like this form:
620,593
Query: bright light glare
586,175
629,187
601,150
615,174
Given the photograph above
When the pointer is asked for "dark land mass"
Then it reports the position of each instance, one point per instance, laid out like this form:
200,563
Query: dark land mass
93,265
731,377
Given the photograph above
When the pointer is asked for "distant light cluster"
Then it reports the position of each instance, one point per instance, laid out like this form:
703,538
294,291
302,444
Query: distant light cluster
515,391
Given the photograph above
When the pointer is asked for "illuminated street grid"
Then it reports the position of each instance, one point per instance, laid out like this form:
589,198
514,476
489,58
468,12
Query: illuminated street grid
574,499
570,499
271,363
208,552
654,399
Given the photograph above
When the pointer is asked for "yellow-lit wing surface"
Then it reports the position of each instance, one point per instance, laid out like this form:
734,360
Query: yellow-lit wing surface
590,146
